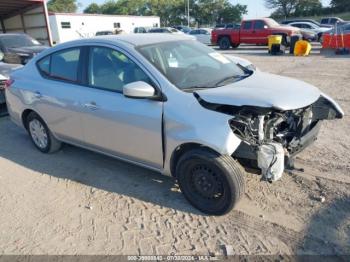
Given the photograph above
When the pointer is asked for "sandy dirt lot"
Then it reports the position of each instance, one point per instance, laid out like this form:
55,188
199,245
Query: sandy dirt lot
79,202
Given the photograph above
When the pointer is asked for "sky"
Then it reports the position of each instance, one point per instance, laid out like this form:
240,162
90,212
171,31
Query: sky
256,8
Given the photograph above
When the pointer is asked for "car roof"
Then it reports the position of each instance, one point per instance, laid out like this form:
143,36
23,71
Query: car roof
147,39
136,39
302,22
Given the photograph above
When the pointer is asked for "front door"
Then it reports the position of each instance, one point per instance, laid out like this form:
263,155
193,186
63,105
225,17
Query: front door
246,33
112,123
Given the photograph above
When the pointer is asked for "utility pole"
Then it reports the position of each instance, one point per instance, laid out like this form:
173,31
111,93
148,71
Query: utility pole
188,13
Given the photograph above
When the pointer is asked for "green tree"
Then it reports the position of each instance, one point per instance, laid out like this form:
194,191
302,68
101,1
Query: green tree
308,7
340,5
283,7
217,11
172,12
62,6
92,9
288,8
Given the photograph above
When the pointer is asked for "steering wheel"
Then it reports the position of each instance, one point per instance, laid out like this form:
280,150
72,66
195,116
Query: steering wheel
188,72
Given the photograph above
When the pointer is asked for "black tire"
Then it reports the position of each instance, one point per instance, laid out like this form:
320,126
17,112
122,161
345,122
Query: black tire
52,144
211,182
234,45
224,43
285,41
320,38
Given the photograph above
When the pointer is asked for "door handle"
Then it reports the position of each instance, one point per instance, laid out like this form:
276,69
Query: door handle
37,94
91,106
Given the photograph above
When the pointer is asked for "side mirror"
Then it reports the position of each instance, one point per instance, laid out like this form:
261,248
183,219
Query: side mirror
138,89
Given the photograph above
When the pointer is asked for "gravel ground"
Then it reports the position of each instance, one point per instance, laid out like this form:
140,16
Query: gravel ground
79,202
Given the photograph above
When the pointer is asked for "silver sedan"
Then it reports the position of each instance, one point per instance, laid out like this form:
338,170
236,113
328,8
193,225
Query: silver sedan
171,104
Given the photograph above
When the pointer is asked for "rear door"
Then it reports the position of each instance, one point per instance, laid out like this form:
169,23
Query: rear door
114,124
260,33
246,33
58,93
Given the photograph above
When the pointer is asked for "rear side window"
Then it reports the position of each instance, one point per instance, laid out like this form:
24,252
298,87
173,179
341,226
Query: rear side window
44,65
259,25
247,25
62,65
324,21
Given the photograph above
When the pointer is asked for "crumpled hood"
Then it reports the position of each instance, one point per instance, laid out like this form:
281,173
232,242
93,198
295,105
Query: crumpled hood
264,90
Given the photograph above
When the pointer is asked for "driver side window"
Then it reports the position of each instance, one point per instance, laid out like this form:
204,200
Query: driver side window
110,69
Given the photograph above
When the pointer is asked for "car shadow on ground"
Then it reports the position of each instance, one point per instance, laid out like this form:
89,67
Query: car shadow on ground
92,169
328,233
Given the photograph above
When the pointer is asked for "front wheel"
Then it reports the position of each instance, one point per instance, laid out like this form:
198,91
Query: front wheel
211,182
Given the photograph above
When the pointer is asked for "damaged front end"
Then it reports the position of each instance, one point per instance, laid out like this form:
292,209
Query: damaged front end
272,137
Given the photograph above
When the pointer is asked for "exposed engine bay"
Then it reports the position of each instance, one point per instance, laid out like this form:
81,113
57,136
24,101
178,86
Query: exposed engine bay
271,136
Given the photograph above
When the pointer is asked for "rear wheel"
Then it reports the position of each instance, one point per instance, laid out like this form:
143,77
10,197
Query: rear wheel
211,182
224,43
41,135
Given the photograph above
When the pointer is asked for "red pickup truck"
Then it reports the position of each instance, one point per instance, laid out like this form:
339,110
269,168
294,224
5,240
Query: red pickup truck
252,32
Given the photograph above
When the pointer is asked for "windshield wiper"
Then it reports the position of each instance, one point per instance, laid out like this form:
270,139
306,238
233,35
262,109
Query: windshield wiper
234,77
191,88
226,79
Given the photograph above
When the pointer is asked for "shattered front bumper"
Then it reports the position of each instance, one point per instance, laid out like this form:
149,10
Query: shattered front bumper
298,145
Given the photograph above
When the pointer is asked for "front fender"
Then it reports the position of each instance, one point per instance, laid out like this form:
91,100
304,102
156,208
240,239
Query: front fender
196,124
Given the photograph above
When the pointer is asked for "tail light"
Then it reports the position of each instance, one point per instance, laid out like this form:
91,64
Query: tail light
9,82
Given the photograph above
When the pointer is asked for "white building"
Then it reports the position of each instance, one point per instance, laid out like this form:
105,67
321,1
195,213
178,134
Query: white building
67,26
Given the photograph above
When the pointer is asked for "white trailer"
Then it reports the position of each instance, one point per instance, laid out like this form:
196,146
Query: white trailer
25,16
67,26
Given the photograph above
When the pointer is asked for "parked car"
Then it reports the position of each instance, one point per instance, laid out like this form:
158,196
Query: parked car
286,22
19,48
309,35
331,21
5,70
170,104
141,30
311,27
168,30
182,28
252,32
203,35
104,33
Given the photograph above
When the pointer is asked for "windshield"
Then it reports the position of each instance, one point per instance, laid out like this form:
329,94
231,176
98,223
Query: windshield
271,23
18,41
192,65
